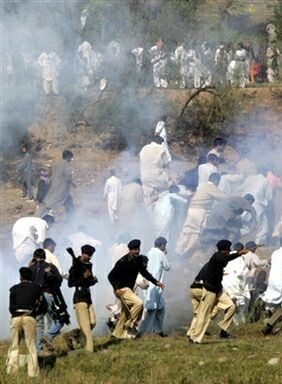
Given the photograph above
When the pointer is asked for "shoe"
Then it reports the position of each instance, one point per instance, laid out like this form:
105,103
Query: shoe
29,200
225,335
132,333
191,341
161,334
267,330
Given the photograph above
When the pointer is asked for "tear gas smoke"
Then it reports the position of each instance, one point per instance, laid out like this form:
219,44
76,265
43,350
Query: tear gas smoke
42,27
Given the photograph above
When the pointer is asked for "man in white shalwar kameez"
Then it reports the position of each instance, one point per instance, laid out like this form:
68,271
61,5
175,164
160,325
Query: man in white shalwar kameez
234,283
112,192
181,59
83,18
258,186
273,293
138,53
159,62
84,56
238,68
219,145
164,210
198,211
272,297
229,183
161,131
28,234
154,301
131,199
50,63
153,161
206,169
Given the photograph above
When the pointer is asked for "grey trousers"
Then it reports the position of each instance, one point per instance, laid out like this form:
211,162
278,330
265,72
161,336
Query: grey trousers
153,321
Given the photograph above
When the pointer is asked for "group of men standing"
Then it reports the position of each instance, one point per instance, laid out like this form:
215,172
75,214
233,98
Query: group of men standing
193,66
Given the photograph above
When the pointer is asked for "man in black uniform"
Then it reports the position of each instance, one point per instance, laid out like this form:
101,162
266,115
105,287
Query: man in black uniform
212,293
25,304
123,277
81,277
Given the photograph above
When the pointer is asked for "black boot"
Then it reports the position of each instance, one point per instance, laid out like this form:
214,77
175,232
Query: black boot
225,335
267,330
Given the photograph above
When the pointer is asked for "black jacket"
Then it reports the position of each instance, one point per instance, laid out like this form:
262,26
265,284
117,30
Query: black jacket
25,298
214,272
76,279
126,269
48,281
200,278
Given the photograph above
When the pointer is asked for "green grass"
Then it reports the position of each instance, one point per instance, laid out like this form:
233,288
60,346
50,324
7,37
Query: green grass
169,360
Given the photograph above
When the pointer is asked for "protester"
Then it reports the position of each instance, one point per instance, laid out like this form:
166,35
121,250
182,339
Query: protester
159,61
235,284
132,201
50,63
160,130
258,186
154,302
153,164
197,214
272,297
49,246
219,145
59,192
26,172
28,234
181,59
164,211
112,192
206,169
43,185
225,217
82,278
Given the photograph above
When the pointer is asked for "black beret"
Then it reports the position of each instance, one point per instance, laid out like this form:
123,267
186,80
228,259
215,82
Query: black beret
224,245
134,244
250,245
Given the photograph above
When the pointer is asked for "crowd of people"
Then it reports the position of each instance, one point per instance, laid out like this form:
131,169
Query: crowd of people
187,216
185,66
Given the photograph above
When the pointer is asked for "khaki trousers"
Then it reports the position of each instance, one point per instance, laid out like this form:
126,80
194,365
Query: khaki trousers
131,312
208,308
86,320
226,304
27,325
195,295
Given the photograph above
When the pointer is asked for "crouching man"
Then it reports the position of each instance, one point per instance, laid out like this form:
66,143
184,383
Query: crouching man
25,303
122,277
